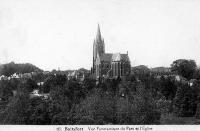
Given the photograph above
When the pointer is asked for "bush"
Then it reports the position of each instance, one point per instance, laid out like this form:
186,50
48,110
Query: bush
197,115
185,101
164,106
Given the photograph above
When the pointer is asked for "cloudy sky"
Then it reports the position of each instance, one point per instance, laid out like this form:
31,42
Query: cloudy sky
60,33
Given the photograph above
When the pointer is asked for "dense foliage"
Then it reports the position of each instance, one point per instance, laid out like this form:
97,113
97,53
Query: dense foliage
142,98
11,68
185,68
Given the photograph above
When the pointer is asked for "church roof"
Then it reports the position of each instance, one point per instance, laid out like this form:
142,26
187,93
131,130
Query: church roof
125,57
114,57
120,57
106,57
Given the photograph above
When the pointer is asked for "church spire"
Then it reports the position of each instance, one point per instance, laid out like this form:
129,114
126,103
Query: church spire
98,37
98,45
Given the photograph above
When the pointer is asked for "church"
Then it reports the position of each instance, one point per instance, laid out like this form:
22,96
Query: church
108,65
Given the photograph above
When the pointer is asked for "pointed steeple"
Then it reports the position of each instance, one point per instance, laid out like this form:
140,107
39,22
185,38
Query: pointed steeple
98,37
98,46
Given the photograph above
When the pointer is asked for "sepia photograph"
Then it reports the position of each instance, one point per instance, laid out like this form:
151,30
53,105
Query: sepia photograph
100,62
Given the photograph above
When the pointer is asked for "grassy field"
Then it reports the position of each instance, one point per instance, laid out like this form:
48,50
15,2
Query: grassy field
170,119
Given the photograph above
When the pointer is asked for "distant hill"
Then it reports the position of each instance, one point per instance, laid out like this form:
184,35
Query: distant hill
160,69
83,70
66,72
144,69
140,69
11,68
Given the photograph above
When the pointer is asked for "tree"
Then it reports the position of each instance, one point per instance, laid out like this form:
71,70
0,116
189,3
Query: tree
144,107
183,67
106,107
197,74
38,112
62,100
141,72
74,91
8,69
15,112
38,77
167,87
197,115
97,108
30,84
89,84
185,101
11,68
5,89
53,80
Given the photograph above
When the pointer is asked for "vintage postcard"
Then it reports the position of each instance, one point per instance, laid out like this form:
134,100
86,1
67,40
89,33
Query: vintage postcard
99,65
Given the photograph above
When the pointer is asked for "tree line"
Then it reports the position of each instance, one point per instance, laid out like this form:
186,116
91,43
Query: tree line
143,98
11,68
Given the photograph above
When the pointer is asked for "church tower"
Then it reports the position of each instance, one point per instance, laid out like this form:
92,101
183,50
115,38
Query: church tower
98,47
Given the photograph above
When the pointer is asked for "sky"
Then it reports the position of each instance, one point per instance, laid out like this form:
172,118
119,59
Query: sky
54,34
